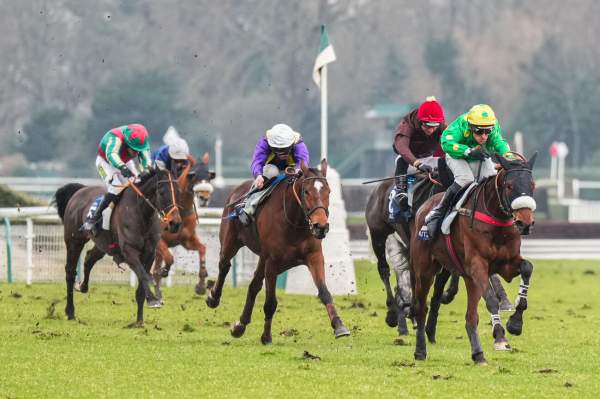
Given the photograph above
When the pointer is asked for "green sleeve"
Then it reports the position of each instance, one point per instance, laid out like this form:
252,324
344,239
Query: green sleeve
452,138
113,147
496,142
144,159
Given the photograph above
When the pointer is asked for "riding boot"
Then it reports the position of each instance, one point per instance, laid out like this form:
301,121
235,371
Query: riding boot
505,305
90,224
433,219
401,197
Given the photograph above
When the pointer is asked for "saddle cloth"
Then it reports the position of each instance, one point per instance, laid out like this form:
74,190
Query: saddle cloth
454,210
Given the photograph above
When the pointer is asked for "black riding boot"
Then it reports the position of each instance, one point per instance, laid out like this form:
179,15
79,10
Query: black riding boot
505,305
90,224
401,197
431,226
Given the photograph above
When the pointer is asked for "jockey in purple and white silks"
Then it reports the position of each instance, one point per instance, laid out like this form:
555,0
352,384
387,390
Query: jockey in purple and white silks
280,148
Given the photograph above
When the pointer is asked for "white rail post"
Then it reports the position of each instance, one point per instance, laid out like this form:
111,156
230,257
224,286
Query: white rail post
132,279
29,238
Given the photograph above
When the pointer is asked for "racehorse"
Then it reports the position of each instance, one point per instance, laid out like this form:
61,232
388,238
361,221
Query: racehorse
135,231
485,239
380,228
194,182
287,232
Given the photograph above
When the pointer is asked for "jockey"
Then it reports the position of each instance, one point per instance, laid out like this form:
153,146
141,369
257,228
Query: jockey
279,149
416,139
172,157
115,163
467,142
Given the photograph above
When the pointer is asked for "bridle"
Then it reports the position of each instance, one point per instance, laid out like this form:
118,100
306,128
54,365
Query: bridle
501,193
301,200
163,213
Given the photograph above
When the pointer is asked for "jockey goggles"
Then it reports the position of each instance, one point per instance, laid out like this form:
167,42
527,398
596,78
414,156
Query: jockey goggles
431,124
481,130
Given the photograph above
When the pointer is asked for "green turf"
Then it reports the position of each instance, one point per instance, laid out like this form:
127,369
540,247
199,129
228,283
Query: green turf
186,350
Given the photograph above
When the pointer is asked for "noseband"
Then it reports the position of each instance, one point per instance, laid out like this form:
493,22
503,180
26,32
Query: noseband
301,200
500,185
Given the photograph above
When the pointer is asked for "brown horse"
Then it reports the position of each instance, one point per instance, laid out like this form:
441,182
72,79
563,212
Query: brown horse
380,228
485,239
194,181
135,231
288,231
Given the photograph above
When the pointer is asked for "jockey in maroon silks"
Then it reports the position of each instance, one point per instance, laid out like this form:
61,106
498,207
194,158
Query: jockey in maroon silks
280,148
417,143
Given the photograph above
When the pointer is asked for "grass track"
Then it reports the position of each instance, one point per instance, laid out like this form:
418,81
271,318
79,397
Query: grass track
186,349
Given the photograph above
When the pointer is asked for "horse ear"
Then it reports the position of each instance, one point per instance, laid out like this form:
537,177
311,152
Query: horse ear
205,158
531,161
304,168
324,167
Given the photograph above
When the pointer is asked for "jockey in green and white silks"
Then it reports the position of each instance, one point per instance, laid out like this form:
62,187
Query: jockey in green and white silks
115,163
468,143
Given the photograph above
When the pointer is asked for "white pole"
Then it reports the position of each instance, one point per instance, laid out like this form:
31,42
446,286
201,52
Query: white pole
519,147
560,178
323,112
553,167
219,181
29,238
132,279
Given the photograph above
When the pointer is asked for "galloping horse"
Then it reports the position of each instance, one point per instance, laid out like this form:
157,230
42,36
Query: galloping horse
288,231
485,239
379,229
194,181
135,230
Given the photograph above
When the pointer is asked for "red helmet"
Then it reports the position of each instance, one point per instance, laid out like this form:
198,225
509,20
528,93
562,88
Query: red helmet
431,111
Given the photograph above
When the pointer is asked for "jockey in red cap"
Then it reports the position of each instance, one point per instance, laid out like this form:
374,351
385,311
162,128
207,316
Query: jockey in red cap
417,139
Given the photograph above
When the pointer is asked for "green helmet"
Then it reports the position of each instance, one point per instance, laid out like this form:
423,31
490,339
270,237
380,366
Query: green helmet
136,137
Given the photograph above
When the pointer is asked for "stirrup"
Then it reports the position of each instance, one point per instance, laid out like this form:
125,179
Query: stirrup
423,234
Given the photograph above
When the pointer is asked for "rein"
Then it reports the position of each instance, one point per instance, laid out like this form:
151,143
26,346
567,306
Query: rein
300,200
161,214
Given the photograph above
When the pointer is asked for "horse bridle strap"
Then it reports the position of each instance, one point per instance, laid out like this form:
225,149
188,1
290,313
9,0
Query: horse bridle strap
485,218
504,204
161,214
308,212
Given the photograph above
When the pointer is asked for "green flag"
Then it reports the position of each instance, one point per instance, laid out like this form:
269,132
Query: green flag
325,56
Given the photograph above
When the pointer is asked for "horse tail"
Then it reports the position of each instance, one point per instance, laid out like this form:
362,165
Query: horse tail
63,195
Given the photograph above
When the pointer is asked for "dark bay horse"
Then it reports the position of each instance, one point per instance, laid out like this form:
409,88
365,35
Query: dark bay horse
380,228
484,239
135,231
194,181
288,231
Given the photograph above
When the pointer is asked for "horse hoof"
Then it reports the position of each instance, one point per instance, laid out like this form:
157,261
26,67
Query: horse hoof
154,303
266,340
402,327
420,355
341,331
479,359
391,318
83,288
164,272
200,289
211,302
136,324
446,298
71,317
514,327
502,345
238,329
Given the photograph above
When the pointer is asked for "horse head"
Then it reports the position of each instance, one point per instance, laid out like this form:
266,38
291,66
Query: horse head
198,180
314,198
161,189
515,187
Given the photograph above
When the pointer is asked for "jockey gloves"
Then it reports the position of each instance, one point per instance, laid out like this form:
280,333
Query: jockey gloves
179,149
281,136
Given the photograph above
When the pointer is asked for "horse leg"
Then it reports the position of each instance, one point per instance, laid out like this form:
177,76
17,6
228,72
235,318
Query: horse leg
270,301
133,257
139,299
515,321
423,278
378,243
438,289
74,249
253,289
228,251
474,290
91,257
157,271
450,293
493,305
315,264
200,288
403,290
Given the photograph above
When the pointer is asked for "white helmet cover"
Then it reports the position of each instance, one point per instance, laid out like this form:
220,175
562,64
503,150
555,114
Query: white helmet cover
281,136
179,149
